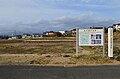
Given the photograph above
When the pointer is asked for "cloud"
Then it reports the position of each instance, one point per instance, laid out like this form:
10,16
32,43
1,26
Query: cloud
82,21
12,11
60,23
21,15
85,4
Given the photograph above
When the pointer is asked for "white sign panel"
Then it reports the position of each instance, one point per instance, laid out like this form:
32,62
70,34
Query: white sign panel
91,37
110,42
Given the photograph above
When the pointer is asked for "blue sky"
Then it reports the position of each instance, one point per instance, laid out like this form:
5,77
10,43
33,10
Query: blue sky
45,15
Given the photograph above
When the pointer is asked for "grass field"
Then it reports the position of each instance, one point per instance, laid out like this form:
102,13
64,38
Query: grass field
35,47
48,52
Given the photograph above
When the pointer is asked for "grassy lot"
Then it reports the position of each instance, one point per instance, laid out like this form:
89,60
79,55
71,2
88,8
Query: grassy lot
50,52
36,47
53,38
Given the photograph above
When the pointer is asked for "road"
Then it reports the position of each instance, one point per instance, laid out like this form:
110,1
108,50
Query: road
82,72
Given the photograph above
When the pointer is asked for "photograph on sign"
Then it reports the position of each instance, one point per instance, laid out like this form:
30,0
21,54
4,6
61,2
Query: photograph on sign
91,37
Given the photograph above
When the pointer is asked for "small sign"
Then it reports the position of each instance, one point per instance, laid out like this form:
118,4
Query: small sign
110,42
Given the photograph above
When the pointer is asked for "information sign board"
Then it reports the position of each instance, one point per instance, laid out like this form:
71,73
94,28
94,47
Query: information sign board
91,37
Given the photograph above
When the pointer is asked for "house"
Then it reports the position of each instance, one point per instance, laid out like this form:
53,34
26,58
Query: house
64,33
49,34
26,35
52,34
116,26
4,36
36,35
13,37
73,32
18,36
96,27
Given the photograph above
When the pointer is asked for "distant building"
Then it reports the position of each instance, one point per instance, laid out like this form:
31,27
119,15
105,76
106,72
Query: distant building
64,33
18,36
49,33
26,35
4,36
96,27
116,26
15,37
73,32
36,35
52,34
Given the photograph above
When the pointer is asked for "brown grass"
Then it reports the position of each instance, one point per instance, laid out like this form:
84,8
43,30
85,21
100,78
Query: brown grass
50,52
22,47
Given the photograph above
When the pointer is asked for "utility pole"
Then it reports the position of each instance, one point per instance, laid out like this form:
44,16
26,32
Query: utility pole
15,32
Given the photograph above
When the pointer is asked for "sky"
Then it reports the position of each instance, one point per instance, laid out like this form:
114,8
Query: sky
44,15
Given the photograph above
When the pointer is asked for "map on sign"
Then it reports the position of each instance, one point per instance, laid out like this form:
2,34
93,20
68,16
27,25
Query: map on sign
84,39
91,37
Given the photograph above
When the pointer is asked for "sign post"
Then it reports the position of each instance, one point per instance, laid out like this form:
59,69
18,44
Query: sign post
89,37
103,42
110,42
77,42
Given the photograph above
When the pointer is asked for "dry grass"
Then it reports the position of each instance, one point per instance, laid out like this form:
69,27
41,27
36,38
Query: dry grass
50,53
53,38
55,60
22,47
